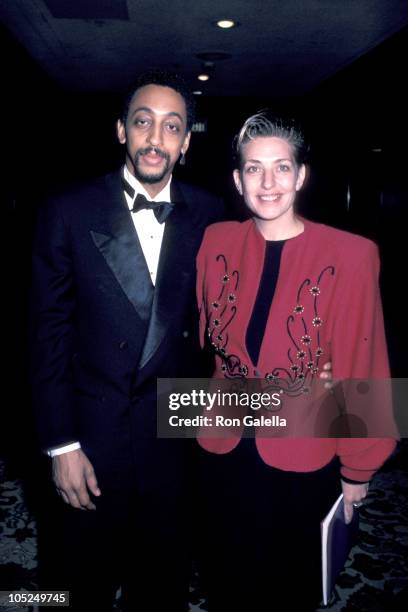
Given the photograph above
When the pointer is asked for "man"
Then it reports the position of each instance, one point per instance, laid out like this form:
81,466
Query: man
113,309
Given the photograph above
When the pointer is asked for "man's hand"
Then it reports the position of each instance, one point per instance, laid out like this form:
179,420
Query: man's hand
327,375
74,477
353,494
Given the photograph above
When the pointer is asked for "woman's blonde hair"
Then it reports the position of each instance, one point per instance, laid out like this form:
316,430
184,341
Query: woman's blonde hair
264,123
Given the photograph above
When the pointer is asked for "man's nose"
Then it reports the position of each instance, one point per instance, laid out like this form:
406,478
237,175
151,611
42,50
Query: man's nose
155,135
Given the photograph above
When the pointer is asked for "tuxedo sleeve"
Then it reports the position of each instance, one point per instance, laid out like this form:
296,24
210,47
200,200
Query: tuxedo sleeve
52,324
359,351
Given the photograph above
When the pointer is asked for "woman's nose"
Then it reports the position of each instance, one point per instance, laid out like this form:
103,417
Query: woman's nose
268,179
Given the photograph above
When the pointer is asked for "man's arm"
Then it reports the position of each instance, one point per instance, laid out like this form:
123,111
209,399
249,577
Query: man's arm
53,309
52,329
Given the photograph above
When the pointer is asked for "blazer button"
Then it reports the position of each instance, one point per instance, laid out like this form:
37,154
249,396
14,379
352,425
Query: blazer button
123,345
185,334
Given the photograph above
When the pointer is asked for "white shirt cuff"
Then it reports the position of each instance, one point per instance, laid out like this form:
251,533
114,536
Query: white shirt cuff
53,452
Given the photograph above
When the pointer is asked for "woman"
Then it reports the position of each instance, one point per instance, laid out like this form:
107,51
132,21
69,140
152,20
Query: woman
278,296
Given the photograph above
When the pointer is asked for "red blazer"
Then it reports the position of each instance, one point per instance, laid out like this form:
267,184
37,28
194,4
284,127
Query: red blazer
326,306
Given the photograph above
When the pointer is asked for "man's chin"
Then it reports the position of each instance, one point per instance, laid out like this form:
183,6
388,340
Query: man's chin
150,179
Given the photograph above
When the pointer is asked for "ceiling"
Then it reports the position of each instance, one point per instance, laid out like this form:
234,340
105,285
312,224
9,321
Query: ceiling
280,48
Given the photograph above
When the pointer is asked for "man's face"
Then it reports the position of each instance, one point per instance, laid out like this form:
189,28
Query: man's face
155,134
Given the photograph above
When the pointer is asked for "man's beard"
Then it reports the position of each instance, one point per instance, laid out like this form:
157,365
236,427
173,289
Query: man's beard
150,179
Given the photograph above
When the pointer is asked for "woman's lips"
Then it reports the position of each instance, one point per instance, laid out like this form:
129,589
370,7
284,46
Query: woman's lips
272,197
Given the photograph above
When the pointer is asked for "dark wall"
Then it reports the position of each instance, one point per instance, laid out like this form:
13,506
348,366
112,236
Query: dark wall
365,109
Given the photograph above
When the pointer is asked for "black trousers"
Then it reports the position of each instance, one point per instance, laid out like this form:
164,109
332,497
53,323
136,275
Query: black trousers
260,531
138,538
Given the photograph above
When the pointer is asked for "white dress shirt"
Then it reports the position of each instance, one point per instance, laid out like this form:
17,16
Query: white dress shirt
150,234
149,230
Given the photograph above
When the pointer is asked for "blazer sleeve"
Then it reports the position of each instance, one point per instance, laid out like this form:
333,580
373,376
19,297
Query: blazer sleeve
52,316
359,350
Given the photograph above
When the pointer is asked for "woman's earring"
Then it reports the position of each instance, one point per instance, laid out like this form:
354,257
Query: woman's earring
182,159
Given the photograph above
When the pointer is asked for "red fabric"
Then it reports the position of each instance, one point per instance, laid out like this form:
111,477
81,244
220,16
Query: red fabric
332,277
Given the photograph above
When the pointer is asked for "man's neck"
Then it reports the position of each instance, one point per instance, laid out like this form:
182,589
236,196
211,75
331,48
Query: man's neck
154,189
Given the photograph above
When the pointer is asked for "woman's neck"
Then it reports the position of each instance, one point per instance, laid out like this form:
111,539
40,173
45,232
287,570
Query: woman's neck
280,229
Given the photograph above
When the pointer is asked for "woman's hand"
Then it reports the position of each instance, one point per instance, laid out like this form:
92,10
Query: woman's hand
353,494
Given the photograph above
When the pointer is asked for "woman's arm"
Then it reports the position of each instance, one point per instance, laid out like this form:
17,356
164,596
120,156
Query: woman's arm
359,351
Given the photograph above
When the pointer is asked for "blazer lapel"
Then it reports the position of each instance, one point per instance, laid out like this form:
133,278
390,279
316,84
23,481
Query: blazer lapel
175,271
120,247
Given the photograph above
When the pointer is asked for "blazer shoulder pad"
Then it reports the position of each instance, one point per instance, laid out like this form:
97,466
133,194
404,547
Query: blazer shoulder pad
347,243
223,232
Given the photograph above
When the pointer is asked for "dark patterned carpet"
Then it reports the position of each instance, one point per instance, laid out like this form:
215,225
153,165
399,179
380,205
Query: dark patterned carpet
375,578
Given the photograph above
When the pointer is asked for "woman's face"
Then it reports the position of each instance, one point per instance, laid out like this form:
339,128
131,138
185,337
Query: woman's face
269,178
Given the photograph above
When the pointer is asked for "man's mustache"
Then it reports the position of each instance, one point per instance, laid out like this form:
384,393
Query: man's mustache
155,150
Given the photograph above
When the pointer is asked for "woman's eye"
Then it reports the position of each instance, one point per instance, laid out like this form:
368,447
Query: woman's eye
252,169
284,168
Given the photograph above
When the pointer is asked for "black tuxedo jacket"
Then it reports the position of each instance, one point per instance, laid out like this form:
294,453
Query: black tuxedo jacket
101,333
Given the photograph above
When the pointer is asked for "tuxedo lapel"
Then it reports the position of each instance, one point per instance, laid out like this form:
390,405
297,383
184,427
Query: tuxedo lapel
120,247
175,271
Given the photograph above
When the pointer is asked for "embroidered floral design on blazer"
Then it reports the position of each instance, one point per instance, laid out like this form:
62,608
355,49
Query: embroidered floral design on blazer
223,310
304,326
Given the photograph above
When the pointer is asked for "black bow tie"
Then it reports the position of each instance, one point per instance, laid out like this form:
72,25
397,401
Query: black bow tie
161,209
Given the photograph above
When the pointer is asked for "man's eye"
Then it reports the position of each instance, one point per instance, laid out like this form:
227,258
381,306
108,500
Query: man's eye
141,122
173,127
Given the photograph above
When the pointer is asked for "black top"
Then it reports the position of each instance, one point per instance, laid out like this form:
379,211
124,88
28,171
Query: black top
266,291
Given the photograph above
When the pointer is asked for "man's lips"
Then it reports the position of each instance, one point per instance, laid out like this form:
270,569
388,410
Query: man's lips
151,156
153,159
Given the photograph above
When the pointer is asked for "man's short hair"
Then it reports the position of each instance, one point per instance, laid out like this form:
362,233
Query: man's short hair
264,123
163,78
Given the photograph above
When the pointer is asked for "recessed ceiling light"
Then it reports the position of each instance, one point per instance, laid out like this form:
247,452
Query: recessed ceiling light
198,93
203,77
226,24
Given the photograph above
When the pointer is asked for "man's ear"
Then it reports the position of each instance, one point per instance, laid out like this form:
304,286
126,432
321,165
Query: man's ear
301,177
186,143
121,131
237,180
